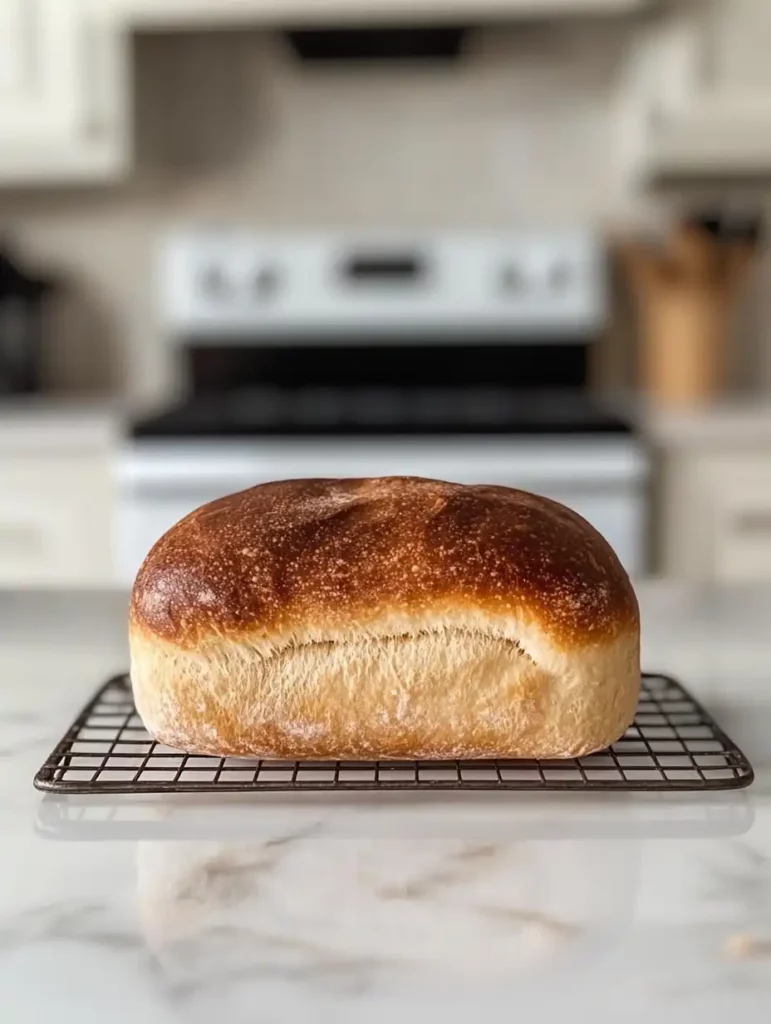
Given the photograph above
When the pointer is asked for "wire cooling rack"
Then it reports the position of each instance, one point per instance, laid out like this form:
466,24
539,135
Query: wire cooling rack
673,744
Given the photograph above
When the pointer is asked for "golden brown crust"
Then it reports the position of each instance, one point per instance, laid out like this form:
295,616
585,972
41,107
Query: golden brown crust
278,560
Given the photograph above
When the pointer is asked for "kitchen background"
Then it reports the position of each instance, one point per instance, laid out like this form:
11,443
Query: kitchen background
644,127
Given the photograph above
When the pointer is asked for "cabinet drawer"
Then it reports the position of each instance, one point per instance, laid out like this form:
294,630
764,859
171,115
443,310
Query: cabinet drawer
55,524
741,518
743,538
40,542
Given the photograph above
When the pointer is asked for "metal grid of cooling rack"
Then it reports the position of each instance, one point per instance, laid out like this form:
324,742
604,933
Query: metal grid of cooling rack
673,744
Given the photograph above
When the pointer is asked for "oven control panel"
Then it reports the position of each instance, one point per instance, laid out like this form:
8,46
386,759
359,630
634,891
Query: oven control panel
232,283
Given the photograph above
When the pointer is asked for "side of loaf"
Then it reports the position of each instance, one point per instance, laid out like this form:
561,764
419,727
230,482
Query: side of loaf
384,618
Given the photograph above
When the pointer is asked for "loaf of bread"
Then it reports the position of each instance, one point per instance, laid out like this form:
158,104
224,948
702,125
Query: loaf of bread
384,618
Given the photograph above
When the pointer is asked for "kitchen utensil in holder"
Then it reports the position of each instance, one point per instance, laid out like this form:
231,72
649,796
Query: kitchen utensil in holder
685,293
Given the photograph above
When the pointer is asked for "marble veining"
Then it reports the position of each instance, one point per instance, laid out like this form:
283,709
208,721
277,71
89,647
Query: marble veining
72,920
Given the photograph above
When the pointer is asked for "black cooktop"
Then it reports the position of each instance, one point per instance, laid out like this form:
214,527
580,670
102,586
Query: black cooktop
388,411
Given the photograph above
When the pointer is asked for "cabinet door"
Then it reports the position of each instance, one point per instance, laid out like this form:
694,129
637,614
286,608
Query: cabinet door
39,78
64,104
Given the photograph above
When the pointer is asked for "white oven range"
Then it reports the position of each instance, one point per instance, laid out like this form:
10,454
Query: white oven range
455,356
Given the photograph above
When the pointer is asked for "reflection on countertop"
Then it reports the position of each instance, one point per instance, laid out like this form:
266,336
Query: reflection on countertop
358,916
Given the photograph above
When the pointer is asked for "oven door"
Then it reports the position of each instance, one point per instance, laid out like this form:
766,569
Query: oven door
603,479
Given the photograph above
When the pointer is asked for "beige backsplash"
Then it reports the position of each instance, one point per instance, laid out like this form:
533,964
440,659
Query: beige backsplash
526,131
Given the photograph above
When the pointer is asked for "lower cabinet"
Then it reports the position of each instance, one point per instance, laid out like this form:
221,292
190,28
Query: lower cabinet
56,522
716,523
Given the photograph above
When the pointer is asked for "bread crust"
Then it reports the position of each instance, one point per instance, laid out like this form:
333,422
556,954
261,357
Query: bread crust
392,618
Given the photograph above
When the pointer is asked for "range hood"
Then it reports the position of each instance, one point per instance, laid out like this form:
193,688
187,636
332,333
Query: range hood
358,13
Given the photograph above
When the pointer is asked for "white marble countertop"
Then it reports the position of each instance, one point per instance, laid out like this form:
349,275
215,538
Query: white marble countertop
379,909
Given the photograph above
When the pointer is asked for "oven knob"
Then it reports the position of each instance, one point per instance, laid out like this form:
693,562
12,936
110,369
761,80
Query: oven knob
560,277
513,280
265,283
213,283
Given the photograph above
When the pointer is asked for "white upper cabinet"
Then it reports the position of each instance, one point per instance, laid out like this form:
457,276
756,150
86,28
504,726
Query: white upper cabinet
721,123
62,109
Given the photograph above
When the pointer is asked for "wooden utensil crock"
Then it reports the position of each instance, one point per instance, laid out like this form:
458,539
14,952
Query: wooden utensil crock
685,294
